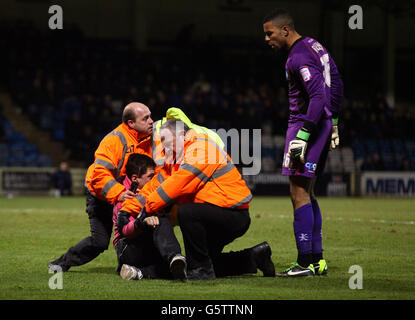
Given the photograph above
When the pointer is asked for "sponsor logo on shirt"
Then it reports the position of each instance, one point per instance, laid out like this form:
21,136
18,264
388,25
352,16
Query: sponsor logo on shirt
311,167
305,73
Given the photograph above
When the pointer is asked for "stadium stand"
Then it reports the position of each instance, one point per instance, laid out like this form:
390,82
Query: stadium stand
75,88
16,151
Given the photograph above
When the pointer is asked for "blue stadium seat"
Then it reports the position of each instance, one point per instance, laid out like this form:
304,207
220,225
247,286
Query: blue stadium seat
17,149
389,163
31,154
371,145
7,127
398,146
31,148
15,161
46,118
268,152
18,152
69,107
387,155
59,133
359,149
16,137
31,160
44,161
4,154
410,146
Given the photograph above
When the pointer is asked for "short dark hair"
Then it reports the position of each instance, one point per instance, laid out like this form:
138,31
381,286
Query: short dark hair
128,114
138,164
174,124
280,14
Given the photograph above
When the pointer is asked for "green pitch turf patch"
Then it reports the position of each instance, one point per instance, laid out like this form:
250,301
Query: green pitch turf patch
375,234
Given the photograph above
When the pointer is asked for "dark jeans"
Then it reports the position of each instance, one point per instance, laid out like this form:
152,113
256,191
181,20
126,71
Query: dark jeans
100,219
206,230
151,251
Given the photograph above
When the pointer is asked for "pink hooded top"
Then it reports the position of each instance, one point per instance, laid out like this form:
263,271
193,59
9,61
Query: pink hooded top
128,230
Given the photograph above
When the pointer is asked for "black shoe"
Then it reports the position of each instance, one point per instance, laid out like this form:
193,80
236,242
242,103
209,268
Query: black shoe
118,268
261,254
201,274
178,267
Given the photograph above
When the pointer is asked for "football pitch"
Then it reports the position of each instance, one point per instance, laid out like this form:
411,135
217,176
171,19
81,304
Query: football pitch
377,235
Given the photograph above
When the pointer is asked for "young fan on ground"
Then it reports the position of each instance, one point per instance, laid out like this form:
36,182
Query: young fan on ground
146,247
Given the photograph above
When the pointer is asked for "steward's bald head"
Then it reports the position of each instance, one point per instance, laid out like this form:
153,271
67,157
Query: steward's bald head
132,110
138,117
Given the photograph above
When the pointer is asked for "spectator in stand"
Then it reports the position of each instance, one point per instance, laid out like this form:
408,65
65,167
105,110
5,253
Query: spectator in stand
377,162
62,180
373,163
210,88
367,164
404,165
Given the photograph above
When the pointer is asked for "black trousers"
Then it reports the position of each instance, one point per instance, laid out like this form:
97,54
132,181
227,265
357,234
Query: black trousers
151,251
100,219
206,230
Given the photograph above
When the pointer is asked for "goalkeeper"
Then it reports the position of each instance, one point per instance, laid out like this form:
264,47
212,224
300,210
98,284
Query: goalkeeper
315,92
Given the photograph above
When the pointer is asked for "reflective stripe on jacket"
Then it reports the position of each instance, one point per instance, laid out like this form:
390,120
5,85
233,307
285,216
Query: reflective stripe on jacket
206,174
104,175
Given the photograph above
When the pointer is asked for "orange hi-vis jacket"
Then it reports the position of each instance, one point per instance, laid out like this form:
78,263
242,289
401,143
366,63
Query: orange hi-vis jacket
105,174
205,174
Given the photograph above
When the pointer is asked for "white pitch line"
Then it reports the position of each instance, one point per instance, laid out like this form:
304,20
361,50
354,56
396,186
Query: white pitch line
37,210
282,216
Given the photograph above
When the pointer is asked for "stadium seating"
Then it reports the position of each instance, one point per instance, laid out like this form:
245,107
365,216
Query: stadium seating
4,154
335,162
79,93
16,151
348,159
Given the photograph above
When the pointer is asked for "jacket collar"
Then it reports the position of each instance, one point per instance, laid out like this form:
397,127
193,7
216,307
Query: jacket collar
134,134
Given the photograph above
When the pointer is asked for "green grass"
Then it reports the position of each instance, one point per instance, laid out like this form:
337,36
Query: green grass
376,234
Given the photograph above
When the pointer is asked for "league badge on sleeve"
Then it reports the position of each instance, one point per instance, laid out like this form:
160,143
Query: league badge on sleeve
305,73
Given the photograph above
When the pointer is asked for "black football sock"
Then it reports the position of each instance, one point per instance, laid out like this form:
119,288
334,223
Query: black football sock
304,260
317,257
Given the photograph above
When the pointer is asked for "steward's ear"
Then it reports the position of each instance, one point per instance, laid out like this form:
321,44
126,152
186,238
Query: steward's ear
130,123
